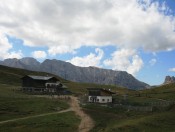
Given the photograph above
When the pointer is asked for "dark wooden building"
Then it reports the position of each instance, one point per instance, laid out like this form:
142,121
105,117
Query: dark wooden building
42,84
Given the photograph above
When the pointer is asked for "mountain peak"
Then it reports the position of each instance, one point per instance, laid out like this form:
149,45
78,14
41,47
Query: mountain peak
169,79
29,61
74,73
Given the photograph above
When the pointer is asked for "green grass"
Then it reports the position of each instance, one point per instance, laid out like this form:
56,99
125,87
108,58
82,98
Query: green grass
165,92
147,97
15,104
120,120
20,107
11,91
81,88
63,122
12,76
156,122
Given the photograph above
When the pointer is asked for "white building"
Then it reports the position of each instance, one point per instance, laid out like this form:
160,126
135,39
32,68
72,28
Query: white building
99,95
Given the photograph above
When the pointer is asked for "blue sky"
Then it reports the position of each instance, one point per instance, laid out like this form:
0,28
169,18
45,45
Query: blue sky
137,36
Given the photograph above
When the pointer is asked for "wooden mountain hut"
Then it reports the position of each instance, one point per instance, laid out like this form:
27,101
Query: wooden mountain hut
41,84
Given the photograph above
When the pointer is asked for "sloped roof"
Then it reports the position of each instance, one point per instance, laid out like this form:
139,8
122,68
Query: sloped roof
40,77
100,89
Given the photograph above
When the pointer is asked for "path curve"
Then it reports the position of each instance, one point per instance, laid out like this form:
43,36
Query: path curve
86,123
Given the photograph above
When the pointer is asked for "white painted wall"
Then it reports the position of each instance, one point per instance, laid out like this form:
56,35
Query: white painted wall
101,99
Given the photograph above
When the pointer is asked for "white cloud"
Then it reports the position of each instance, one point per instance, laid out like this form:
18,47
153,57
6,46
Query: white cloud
61,49
135,66
5,48
39,54
172,69
89,60
14,54
125,60
66,25
152,62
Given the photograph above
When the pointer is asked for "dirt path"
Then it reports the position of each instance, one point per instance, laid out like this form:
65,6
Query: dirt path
28,117
86,123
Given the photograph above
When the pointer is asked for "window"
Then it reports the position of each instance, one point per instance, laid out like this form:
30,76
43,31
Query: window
108,100
97,100
103,100
91,98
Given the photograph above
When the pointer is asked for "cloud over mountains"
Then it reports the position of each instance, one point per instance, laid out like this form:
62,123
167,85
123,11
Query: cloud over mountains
66,25
71,24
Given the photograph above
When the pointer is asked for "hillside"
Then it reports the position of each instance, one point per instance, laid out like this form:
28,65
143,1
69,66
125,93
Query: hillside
37,112
122,118
23,112
12,76
78,74
166,92
15,104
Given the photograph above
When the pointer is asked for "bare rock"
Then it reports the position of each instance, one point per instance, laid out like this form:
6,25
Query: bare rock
78,74
169,79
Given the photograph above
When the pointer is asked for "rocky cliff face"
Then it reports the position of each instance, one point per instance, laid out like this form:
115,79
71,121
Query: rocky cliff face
78,74
169,79
24,63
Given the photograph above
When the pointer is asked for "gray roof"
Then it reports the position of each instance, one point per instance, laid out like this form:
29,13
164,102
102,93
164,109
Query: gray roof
40,77
100,89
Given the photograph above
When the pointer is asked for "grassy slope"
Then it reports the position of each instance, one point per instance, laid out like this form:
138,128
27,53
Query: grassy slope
120,119
15,104
107,119
166,92
13,76
65,122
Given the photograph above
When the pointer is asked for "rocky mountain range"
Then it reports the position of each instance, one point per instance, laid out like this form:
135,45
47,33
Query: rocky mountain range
78,74
169,79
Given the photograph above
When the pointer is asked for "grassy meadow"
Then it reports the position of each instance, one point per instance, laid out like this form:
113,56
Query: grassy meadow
12,76
63,122
15,104
120,119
